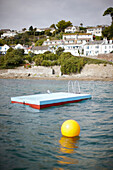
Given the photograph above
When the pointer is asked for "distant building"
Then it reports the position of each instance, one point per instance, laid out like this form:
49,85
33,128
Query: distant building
3,49
98,47
44,29
97,31
39,49
19,46
8,34
77,36
72,29
52,42
5,30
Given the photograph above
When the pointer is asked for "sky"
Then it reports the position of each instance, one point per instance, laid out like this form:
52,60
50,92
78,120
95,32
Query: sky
19,14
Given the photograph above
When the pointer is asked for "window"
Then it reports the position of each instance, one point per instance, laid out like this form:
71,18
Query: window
87,47
87,53
96,52
97,46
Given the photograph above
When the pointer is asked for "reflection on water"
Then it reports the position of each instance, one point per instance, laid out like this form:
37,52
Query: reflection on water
67,160
68,146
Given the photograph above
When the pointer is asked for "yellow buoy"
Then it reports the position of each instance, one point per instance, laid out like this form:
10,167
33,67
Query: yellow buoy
70,128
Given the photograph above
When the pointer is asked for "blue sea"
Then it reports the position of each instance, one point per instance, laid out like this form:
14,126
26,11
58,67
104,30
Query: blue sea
30,139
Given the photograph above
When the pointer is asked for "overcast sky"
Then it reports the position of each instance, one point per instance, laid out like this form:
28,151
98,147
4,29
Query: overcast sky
18,14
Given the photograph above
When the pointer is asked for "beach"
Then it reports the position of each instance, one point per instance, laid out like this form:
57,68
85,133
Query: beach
102,72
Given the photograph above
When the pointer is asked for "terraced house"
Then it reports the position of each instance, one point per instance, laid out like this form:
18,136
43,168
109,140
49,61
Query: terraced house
98,47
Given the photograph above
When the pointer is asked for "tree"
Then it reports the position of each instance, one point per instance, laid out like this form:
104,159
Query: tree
31,28
109,11
24,29
47,32
1,42
39,42
59,51
53,26
81,24
10,49
13,58
62,25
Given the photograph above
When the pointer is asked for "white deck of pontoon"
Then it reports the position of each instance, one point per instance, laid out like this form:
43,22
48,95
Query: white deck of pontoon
40,101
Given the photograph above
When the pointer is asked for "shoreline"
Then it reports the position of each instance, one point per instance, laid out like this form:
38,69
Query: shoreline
91,72
57,78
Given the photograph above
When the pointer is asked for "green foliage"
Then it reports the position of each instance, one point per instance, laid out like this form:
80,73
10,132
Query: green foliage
2,42
50,56
46,59
31,28
48,52
71,64
53,26
48,33
109,11
10,50
61,25
38,59
28,58
46,63
97,38
13,58
108,32
82,29
59,51
39,42
1,61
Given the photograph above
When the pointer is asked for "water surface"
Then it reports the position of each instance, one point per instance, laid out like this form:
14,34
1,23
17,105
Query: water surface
31,139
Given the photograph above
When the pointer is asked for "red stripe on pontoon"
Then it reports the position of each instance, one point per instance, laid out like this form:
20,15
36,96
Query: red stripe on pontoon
48,105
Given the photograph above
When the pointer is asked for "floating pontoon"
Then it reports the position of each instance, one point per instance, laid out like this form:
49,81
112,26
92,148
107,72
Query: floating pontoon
39,101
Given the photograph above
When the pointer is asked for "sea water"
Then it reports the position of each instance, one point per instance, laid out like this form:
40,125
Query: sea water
31,138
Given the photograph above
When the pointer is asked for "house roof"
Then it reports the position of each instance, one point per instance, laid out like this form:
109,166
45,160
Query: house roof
95,27
77,34
40,48
94,42
84,39
5,30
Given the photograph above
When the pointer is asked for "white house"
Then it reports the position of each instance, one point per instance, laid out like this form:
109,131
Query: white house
44,29
19,46
98,47
52,42
107,46
97,31
3,49
78,36
39,49
74,49
8,34
72,29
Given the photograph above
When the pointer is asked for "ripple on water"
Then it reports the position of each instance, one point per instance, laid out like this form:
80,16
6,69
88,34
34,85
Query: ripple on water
31,139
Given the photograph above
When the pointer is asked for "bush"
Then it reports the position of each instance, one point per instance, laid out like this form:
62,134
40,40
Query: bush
38,60
46,63
71,64
13,58
50,56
